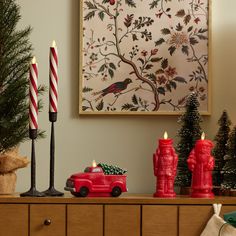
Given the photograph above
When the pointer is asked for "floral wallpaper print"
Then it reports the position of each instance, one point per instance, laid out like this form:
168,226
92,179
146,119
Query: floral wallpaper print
142,56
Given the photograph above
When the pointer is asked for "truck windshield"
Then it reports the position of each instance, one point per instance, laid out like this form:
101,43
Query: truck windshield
96,170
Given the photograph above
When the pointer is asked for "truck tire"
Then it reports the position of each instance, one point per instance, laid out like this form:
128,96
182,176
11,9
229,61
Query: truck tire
75,194
83,191
116,191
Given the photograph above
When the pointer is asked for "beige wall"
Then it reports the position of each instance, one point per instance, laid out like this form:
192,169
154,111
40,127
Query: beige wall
126,141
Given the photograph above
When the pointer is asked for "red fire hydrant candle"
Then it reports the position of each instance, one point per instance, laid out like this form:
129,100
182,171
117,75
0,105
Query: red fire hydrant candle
165,163
53,74
33,101
201,163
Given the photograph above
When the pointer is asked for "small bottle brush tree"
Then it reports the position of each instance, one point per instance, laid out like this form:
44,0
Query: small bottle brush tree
188,134
220,148
229,169
15,57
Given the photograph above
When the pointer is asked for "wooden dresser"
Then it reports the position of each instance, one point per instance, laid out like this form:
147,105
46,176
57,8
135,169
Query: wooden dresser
128,215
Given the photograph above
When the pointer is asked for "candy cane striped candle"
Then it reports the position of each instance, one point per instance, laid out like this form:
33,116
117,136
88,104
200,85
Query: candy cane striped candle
33,101
53,74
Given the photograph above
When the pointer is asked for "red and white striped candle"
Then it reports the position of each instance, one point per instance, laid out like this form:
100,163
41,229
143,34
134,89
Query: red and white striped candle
33,101
53,75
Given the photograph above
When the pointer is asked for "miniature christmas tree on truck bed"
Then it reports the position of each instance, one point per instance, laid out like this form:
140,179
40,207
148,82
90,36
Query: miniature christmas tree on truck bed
111,170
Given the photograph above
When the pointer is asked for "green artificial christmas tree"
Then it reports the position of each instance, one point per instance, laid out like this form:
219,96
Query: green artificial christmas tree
188,134
15,57
111,170
229,169
220,148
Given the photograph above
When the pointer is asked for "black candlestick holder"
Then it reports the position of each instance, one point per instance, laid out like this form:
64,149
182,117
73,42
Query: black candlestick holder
51,190
33,192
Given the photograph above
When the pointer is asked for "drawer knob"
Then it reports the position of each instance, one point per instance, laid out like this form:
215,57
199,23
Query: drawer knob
47,222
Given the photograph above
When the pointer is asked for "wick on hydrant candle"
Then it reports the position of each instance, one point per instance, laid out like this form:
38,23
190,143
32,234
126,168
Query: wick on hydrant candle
33,91
201,163
165,163
53,74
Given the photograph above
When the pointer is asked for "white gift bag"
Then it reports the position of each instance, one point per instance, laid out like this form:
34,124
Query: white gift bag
216,226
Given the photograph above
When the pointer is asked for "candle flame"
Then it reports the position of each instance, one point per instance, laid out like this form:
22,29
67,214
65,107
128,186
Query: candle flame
165,135
94,164
34,60
203,136
54,44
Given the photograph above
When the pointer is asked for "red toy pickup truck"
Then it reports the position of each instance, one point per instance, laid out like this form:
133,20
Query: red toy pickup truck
94,183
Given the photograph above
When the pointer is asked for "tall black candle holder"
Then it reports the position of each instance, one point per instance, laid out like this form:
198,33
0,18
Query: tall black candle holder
51,190
33,192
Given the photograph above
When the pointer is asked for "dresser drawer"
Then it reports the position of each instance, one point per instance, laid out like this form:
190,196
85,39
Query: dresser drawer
159,220
14,219
84,220
193,219
47,220
122,220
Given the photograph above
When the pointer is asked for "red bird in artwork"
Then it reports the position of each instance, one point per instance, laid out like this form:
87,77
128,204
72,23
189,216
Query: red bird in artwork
114,88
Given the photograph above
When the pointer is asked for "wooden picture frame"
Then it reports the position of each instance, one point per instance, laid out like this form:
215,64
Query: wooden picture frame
144,57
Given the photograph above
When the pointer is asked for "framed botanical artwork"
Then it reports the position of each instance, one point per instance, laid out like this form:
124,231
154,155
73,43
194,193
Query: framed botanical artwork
144,56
